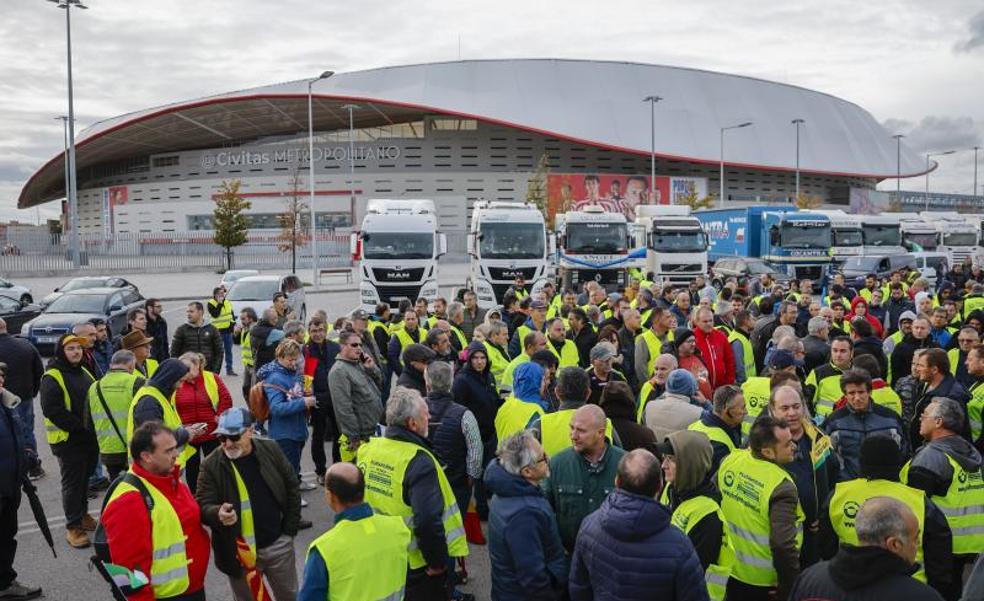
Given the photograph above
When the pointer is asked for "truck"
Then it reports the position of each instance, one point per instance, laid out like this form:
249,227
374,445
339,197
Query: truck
506,240
957,238
397,248
917,234
593,244
846,233
794,242
675,242
881,235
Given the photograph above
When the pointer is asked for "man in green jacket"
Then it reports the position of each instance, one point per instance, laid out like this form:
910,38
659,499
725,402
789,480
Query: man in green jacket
581,476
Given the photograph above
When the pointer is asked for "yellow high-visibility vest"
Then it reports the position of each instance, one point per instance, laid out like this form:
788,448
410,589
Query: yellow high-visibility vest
55,434
224,320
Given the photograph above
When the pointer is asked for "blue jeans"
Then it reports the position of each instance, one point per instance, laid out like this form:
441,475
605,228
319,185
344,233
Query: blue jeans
227,348
25,411
292,449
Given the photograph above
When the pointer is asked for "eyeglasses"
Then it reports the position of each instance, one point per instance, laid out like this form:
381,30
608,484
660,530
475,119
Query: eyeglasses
222,438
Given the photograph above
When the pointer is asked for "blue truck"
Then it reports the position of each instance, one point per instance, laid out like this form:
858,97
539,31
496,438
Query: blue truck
795,242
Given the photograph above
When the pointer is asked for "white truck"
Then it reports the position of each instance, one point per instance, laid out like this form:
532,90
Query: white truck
882,235
506,240
846,235
917,234
958,238
595,245
675,242
397,248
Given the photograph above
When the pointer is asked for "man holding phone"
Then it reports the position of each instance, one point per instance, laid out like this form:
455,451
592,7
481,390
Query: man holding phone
355,383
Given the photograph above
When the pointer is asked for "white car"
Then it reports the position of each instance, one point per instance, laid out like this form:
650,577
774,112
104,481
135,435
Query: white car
257,291
233,275
928,262
18,293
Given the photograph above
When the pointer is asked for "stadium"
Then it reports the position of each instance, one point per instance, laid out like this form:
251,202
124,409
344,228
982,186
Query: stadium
462,131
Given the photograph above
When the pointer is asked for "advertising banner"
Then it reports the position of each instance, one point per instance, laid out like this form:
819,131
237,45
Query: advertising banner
615,193
870,202
114,196
682,187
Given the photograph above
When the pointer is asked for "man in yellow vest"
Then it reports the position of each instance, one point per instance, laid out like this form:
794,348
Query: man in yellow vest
240,336
525,403
408,482
741,345
649,344
762,513
537,322
138,343
557,343
153,524
410,333
109,404
363,557
154,402
248,491
975,407
223,320
533,342
948,469
822,387
495,347
554,429
722,425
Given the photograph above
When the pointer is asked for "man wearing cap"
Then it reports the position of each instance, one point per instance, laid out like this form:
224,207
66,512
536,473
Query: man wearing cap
601,371
109,403
410,333
247,490
536,322
137,343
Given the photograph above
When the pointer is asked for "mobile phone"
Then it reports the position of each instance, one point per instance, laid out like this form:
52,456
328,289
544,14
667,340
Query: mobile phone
203,426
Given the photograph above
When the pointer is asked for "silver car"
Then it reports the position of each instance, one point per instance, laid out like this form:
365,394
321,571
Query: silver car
18,293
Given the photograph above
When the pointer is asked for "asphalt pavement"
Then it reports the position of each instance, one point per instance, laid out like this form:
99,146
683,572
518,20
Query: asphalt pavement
69,576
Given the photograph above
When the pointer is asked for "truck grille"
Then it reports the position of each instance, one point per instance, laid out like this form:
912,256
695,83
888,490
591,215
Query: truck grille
681,268
604,277
813,272
506,273
500,290
398,275
393,294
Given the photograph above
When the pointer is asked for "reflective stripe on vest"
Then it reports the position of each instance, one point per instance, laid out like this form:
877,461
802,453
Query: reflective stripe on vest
963,507
687,515
975,408
55,434
366,559
826,392
169,566
746,486
171,419
568,355
117,390
714,433
224,320
247,529
384,462
756,392
555,431
406,340
513,416
849,496
748,354
896,338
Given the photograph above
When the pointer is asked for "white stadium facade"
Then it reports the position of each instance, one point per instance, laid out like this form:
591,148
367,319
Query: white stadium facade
462,131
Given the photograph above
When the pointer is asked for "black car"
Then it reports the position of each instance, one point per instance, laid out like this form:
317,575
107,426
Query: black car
16,314
89,281
744,268
77,306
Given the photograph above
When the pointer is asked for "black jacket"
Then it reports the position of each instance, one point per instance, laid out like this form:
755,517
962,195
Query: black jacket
902,355
263,350
477,392
165,380
204,339
411,378
72,419
157,329
24,367
862,574
585,340
13,454
895,311
949,388
873,346
817,353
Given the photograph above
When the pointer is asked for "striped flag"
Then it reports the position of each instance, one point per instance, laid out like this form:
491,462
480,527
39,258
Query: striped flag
254,577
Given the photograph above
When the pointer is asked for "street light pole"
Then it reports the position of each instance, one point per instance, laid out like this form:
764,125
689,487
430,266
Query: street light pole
976,148
350,108
72,191
721,174
797,122
64,120
928,155
652,100
898,168
314,226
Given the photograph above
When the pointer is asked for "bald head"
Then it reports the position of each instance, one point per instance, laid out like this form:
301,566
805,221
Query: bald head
591,415
588,431
888,523
344,486
639,473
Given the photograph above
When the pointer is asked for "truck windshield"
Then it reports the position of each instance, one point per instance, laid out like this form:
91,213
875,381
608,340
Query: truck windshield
398,245
960,239
882,235
800,236
847,237
669,241
926,241
511,240
606,238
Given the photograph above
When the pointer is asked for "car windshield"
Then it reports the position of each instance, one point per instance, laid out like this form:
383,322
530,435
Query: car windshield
78,303
960,239
397,245
935,262
806,236
882,235
678,241
603,238
231,277
82,283
758,268
512,240
847,238
261,290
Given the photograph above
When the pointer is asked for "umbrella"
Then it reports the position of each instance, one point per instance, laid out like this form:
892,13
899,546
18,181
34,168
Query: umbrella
38,510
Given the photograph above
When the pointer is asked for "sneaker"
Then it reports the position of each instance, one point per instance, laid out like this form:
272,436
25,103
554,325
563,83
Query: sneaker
231,373
304,486
36,473
17,591
88,523
304,503
77,538
321,479
304,524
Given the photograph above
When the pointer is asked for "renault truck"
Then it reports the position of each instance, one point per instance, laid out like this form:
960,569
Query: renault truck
675,242
593,244
397,248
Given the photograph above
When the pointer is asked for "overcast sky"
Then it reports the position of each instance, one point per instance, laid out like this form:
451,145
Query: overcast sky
916,66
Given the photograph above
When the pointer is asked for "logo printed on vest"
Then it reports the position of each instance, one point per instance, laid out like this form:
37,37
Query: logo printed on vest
851,510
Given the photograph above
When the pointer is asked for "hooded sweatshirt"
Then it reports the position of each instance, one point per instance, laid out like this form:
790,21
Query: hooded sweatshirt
476,391
876,325
72,419
693,457
862,574
527,380
165,380
931,472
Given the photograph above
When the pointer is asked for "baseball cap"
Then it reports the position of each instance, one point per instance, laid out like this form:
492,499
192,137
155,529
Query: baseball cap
360,315
603,351
781,359
234,421
75,339
538,304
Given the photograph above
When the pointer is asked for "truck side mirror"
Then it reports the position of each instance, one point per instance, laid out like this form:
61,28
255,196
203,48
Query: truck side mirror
707,241
355,246
472,244
774,236
442,244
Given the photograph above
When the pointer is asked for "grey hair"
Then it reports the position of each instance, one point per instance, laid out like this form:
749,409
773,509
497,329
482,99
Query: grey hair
481,332
438,376
950,411
404,403
880,518
497,326
593,312
816,325
191,357
122,358
671,358
788,343
293,328
270,314
783,332
456,310
518,451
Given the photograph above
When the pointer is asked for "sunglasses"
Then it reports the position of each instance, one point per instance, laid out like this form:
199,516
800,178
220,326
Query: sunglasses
222,438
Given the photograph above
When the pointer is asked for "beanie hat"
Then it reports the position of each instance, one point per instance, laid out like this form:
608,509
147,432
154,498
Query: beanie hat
680,335
682,382
881,458
781,359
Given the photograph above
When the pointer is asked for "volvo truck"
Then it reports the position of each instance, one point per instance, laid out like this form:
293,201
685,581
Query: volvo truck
506,240
675,242
593,244
397,247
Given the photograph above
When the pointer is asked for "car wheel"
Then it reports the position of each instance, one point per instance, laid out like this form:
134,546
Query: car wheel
26,299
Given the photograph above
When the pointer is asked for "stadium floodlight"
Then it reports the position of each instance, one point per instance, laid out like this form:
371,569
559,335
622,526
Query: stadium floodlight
721,174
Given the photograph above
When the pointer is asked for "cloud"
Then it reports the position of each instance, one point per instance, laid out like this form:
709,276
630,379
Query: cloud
935,133
976,39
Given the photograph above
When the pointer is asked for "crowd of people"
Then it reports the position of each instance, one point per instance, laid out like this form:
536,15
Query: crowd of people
757,441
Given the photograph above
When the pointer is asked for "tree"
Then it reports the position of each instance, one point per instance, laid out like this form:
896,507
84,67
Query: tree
292,231
536,186
696,203
806,201
230,224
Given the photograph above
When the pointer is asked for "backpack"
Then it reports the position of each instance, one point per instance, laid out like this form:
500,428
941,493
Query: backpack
120,589
258,403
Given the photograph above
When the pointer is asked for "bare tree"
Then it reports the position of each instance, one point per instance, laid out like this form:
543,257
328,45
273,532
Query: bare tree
293,234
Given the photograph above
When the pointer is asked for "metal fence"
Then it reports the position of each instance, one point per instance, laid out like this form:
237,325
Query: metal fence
47,254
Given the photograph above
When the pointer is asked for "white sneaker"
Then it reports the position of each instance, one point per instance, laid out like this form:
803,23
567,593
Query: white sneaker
305,485
304,503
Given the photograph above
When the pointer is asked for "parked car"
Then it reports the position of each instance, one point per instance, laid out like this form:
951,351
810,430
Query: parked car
16,313
230,277
855,269
18,293
81,283
76,306
744,268
257,291
931,265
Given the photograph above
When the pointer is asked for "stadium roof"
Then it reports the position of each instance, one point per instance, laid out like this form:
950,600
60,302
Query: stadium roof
588,102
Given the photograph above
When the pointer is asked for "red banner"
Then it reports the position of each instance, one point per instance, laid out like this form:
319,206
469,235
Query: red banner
615,193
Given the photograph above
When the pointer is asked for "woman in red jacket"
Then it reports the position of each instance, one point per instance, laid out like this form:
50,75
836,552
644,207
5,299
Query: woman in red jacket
201,400
859,308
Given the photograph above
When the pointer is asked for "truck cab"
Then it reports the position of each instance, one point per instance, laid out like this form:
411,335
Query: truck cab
958,238
798,241
506,240
595,245
882,235
917,234
675,242
397,247
846,233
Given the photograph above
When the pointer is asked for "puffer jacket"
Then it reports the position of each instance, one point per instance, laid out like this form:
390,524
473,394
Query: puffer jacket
931,472
288,412
355,397
477,392
848,428
628,550
521,518
204,339
862,574
73,419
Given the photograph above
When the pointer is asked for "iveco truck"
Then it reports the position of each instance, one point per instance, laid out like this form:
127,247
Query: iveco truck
506,240
593,244
397,249
675,242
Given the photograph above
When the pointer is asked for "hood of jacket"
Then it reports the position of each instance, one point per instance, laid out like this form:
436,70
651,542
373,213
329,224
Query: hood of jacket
60,361
165,379
858,300
273,367
476,346
503,484
693,454
630,517
527,379
962,451
857,567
